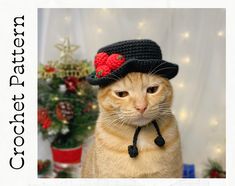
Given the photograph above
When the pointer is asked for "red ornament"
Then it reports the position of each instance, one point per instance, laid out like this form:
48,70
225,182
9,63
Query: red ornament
64,111
71,83
88,108
47,123
43,118
115,61
40,165
102,71
214,174
42,115
49,69
100,59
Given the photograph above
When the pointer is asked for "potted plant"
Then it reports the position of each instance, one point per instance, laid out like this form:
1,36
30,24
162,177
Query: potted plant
67,107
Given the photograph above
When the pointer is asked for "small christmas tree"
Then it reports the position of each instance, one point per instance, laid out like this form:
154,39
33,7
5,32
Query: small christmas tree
67,107
214,170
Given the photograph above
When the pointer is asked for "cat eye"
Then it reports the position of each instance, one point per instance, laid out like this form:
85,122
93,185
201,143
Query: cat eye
121,94
152,89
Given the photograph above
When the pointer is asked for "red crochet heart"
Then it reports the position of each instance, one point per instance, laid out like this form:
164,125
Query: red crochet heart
102,71
105,64
114,61
100,59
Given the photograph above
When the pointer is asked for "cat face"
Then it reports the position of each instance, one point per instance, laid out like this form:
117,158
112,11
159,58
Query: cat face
136,99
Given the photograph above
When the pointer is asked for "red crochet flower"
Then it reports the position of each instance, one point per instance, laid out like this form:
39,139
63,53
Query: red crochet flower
115,61
102,71
100,59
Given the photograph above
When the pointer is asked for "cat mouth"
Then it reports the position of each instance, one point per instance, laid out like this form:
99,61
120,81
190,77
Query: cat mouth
140,121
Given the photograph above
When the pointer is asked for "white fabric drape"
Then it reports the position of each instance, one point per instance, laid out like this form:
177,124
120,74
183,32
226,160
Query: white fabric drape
192,38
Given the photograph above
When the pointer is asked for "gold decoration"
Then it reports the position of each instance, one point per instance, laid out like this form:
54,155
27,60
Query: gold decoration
66,50
66,65
65,122
89,128
94,106
55,98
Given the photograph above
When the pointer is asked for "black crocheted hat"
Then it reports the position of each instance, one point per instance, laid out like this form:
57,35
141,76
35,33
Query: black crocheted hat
115,61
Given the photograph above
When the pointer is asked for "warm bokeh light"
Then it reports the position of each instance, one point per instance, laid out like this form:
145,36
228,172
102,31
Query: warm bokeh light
214,122
181,85
183,115
99,30
141,24
218,149
67,19
220,33
186,60
185,35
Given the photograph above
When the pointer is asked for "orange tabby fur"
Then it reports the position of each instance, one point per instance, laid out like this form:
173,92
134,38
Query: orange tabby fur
108,156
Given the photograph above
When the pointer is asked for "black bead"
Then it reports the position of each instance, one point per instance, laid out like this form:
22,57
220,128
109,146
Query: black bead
159,141
133,151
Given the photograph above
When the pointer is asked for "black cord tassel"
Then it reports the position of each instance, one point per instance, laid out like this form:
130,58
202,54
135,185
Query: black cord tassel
159,140
132,149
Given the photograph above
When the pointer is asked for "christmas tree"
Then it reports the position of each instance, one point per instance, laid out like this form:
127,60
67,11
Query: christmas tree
214,170
67,108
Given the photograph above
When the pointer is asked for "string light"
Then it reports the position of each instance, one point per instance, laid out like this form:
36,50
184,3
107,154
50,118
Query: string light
185,35
99,30
214,122
181,85
141,24
67,19
79,93
65,122
218,149
94,106
220,33
105,11
89,127
183,115
186,60
55,98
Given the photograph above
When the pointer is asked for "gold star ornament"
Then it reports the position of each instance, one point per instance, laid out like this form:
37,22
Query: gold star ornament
66,49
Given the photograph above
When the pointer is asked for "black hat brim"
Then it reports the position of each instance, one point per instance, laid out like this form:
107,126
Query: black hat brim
155,66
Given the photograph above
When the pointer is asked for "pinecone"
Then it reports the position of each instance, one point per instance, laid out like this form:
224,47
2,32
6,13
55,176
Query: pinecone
64,111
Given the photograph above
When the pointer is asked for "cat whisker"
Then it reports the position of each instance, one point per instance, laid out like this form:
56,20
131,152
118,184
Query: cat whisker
114,77
114,122
152,71
164,69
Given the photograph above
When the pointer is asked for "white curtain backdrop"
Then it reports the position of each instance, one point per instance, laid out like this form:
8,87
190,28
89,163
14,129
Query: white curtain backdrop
192,38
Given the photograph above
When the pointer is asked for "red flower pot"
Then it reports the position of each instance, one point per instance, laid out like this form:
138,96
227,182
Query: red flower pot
68,156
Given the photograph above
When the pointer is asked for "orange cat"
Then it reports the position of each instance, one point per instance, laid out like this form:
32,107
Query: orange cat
135,101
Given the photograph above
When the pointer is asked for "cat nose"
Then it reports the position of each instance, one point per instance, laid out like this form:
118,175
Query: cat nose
141,108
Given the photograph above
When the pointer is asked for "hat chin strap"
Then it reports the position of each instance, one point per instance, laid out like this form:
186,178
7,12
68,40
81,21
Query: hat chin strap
159,140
